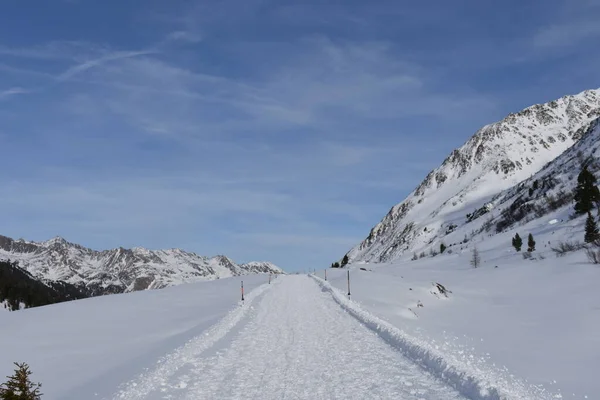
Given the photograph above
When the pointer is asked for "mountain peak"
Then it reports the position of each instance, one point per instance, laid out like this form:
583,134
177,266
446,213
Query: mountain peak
497,157
120,269
57,240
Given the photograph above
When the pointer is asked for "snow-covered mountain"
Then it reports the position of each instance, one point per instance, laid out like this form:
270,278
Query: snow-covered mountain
469,182
120,270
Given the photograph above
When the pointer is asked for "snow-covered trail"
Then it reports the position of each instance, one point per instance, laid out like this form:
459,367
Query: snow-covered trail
297,343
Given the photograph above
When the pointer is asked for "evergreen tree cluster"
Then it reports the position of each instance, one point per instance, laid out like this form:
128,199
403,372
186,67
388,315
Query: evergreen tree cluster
345,261
517,243
19,286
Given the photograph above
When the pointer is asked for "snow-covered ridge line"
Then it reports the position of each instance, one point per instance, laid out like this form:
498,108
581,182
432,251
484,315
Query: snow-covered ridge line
168,365
476,382
120,270
496,158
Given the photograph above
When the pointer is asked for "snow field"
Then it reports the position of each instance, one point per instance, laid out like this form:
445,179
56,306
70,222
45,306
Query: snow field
85,349
296,344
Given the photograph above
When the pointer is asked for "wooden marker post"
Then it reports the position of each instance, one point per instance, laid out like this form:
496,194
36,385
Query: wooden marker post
348,284
242,290
269,279
325,274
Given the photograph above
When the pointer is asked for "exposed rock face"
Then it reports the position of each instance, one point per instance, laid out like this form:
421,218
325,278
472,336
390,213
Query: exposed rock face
497,157
120,270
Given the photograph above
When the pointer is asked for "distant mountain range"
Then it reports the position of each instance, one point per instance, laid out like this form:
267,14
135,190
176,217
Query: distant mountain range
511,171
119,270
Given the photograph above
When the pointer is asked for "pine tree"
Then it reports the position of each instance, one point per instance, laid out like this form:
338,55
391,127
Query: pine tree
345,260
517,242
530,243
591,230
475,258
586,192
19,386
442,248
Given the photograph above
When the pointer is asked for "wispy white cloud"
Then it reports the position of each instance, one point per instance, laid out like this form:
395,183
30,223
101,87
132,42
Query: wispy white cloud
52,50
84,66
17,71
316,84
12,92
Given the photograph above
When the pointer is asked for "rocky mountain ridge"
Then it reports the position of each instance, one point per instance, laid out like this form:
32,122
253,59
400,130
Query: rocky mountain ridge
120,270
498,157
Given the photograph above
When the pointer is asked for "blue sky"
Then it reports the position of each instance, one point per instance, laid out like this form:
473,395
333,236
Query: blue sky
263,130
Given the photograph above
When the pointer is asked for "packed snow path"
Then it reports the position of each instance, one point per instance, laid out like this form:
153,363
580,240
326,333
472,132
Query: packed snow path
296,343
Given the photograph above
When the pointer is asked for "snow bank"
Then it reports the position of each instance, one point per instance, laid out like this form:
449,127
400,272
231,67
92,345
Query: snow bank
473,378
152,380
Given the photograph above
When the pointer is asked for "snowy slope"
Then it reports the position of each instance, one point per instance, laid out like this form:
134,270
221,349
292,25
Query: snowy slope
548,191
294,338
538,317
535,315
497,157
120,270
84,347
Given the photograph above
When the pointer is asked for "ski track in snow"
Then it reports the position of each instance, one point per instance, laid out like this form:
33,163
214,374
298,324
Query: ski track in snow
156,379
474,379
297,344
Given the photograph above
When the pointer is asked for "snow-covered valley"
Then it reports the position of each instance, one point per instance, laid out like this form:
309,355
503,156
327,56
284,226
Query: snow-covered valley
509,329
295,338
423,319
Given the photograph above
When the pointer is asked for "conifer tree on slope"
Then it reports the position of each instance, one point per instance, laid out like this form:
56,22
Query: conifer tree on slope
345,260
517,242
19,385
586,193
591,230
530,243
